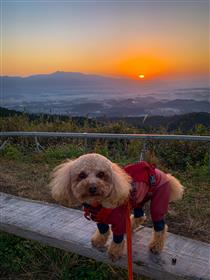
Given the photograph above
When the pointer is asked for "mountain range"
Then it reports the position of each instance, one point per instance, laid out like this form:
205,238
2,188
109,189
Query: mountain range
75,93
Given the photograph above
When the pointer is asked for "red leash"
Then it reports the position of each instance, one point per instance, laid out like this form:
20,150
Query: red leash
129,242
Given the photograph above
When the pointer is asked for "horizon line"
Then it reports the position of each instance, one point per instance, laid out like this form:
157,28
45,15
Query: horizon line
111,76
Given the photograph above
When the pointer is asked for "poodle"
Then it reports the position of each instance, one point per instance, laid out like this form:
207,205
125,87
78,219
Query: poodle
104,189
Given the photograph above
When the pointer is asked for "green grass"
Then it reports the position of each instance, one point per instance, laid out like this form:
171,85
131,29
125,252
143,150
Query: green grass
25,259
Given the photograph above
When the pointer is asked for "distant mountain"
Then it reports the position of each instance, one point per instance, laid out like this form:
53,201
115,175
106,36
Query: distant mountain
65,78
66,85
62,80
79,94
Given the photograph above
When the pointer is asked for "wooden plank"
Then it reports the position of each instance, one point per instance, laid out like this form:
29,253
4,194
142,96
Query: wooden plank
67,229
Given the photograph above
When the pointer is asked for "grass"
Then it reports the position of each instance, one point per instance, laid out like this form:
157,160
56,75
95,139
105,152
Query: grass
23,259
26,173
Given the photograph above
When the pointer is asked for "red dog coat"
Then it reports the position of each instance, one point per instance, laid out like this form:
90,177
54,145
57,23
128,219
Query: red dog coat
157,191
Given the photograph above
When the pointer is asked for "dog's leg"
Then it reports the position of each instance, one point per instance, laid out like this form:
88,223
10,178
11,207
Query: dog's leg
158,209
100,236
158,240
138,218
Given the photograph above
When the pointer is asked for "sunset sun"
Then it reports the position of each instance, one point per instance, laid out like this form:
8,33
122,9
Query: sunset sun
141,76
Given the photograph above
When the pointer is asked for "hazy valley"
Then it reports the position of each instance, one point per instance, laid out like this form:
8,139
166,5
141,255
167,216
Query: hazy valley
77,94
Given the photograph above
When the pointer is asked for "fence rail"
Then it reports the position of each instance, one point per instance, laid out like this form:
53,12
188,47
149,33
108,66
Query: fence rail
105,135
85,135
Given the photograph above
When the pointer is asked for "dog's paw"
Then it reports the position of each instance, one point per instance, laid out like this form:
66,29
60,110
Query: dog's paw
136,222
99,240
156,246
158,241
115,250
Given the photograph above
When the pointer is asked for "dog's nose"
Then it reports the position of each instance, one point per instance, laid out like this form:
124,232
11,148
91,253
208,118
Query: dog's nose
92,189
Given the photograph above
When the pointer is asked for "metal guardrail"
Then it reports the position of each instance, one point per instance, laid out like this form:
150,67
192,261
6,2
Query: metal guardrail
85,135
105,135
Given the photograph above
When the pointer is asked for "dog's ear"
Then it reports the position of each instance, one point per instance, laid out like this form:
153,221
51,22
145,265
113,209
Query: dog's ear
121,185
60,184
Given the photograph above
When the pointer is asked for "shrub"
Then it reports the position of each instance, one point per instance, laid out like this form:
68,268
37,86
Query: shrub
11,152
63,152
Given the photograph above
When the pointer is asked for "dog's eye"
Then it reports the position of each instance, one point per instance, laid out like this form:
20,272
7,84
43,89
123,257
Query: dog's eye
82,175
100,174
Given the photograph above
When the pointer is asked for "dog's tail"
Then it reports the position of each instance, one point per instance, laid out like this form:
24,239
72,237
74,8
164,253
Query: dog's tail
177,189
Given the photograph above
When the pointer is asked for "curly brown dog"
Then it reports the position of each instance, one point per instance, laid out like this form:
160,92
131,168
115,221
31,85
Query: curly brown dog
103,188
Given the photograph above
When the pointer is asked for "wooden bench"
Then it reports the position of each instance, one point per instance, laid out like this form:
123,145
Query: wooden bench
67,229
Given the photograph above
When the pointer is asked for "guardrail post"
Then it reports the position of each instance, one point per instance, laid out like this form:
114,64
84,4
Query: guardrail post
86,145
38,145
143,151
3,144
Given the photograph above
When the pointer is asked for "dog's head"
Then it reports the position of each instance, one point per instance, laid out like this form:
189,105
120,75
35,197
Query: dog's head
91,178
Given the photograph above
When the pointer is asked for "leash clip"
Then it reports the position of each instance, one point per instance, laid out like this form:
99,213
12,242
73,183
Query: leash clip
87,216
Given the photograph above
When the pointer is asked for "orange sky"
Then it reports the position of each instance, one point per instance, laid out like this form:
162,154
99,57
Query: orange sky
155,40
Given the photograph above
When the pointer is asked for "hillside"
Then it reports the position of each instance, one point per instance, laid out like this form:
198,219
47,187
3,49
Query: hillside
185,122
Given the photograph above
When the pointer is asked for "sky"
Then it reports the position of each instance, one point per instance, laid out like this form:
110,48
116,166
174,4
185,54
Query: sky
122,38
